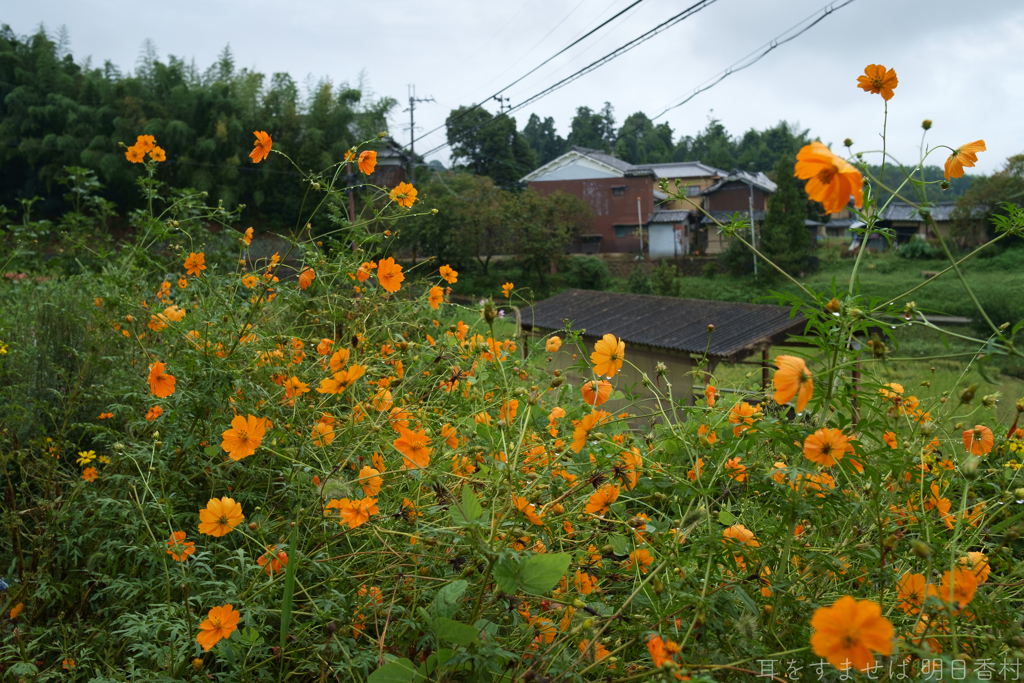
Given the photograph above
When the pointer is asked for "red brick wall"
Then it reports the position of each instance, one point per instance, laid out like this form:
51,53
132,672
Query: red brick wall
608,209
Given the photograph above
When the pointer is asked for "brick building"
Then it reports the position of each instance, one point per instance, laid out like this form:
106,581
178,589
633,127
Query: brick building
630,213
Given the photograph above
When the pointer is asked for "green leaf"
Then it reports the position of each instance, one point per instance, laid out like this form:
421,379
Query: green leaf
432,663
619,544
398,671
456,632
484,432
446,602
211,451
468,511
726,517
540,573
289,585
504,573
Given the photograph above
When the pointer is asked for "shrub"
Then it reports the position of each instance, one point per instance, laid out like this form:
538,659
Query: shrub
663,280
588,272
638,282
918,249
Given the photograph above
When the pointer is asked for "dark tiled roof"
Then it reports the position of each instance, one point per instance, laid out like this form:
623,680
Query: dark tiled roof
758,180
678,216
841,222
615,162
724,217
899,211
667,322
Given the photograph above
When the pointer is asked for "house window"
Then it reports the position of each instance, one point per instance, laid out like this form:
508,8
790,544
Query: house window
692,190
622,231
619,191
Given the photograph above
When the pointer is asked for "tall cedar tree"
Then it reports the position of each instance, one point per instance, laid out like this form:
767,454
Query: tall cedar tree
785,239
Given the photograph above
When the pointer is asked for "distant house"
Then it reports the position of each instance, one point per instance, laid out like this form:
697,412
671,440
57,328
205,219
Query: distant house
630,211
906,221
660,329
392,162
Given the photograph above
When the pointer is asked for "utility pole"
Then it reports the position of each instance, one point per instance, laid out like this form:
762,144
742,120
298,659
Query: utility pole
503,103
753,237
640,227
412,130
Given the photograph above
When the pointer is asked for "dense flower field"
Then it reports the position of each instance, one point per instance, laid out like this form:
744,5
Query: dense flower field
312,466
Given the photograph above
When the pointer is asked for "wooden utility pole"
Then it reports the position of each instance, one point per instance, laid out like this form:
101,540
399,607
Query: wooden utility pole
412,130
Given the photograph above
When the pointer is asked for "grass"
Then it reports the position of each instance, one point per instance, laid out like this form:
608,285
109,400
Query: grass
912,363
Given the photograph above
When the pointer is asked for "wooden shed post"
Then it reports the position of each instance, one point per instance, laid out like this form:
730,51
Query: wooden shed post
764,370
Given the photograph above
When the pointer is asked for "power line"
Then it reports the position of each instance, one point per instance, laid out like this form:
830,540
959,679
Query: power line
619,51
759,53
567,47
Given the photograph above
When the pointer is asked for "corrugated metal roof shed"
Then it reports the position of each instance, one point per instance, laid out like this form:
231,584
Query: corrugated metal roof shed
724,217
668,216
667,322
900,211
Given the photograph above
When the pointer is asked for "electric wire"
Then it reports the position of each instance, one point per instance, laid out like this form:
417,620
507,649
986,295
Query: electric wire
771,45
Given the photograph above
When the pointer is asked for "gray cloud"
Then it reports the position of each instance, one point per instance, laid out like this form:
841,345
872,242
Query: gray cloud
959,64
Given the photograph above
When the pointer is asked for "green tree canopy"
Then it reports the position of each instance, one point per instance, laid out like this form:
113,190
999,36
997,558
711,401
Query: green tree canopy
785,239
641,142
489,145
542,138
595,130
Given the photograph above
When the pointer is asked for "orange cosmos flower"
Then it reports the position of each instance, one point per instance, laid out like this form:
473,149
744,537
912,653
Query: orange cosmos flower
404,195
831,180
826,446
601,500
911,592
890,439
105,416
629,468
792,379
709,395
977,563
978,441
608,355
221,622
16,610
323,432
735,470
389,275
294,387
145,143
365,271
90,474
450,276
367,161
583,428
743,415
339,359
273,561
596,393
306,278
370,480
553,344
641,559
179,548
244,437
323,347
247,238
195,264
740,534
154,413
135,155
261,150
436,297
507,288
963,156
157,154
354,512
877,81
414,447
528,509
160,383
848,632
964,584
220,517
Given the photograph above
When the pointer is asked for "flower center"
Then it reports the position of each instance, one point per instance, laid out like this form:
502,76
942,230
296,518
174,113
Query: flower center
877,82
826,175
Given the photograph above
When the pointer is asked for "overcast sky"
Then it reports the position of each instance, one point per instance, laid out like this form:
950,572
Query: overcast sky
960,64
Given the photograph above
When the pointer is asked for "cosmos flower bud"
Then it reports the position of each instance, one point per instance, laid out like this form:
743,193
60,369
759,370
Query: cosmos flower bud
833,305
926,124
847,142
921,549
967,395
